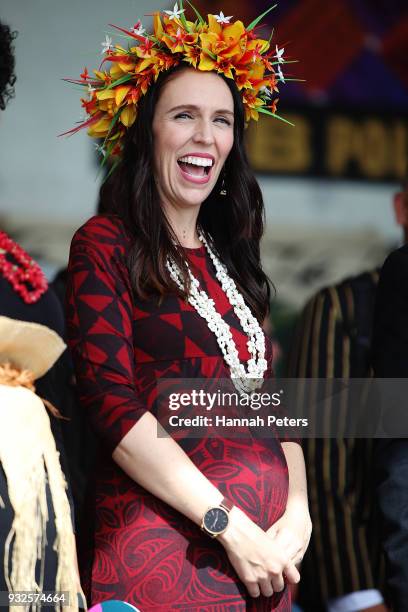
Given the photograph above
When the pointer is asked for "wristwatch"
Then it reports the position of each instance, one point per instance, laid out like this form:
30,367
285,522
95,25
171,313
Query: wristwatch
215,520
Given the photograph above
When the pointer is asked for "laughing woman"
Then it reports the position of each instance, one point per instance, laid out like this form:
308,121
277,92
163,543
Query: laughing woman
171,285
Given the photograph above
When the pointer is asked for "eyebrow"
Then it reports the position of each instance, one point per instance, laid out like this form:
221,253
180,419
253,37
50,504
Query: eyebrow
223,111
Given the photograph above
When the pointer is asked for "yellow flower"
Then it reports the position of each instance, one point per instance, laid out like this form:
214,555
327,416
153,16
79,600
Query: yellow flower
251,103
213,25
100,128
128,115
116,72
121,93
157,26
191,55
225,66
104,77
105,94
223,42
206,62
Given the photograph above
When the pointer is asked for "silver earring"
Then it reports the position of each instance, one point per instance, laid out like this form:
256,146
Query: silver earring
223,190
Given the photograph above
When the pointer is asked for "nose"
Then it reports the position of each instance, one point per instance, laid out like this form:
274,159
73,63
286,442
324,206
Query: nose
204,132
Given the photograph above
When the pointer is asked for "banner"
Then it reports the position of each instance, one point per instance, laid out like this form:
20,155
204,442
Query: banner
331,143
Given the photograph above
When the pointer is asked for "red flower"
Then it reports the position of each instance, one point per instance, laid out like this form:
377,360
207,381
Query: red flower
146,46
84,75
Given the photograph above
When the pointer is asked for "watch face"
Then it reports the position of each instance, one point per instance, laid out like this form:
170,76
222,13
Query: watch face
216,520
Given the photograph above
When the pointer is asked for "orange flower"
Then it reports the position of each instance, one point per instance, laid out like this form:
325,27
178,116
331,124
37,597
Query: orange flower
175,42
272,107
191,55
224,42
251,103
225,66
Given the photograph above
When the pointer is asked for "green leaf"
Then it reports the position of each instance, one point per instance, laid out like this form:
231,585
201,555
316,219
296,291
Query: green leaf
258,19
183,17
296,80
277,62
200,19
272,33
108,151
123,79
209,53
114,120
266,112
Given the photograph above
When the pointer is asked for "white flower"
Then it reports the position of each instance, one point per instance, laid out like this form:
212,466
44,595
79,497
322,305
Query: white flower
266,91
279,54
221,18
175,13
100,149
280,73
138,29
107,44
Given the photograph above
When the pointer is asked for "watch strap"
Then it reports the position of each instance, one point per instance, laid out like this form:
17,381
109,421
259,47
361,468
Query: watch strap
227,504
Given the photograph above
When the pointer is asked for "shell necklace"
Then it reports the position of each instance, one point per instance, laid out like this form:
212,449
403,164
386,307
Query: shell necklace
246,378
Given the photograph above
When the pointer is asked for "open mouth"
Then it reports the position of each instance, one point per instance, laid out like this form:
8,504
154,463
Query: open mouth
196,166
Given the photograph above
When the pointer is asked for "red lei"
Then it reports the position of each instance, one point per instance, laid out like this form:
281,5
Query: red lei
22,272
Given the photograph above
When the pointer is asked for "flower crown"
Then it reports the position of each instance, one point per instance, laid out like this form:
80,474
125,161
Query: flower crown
214,45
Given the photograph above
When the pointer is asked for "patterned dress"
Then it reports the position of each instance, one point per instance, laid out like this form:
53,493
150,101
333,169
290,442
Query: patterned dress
139,549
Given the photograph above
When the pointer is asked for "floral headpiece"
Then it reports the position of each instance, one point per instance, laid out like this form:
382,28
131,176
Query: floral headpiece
214,45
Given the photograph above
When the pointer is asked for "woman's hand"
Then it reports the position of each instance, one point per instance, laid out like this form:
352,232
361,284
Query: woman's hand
258,560
293,530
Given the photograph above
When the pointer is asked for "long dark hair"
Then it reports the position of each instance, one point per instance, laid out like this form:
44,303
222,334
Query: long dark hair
7,63
233,223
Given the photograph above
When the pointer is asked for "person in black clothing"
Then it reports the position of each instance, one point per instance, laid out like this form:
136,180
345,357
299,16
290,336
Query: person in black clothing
390,360
333,340
26,297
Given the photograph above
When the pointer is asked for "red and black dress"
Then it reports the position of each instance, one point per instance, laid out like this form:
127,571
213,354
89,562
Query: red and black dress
139,549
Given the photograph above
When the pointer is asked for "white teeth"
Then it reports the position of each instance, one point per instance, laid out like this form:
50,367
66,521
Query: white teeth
196,161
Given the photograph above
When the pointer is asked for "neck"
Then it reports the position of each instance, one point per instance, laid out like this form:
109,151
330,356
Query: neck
184,225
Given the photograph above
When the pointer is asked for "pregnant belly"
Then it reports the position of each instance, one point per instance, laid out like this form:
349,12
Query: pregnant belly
139,541
252,473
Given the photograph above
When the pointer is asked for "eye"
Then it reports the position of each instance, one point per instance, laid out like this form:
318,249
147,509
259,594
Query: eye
183,116
223,120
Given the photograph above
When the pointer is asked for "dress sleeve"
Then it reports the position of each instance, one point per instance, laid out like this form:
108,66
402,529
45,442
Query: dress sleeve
100,334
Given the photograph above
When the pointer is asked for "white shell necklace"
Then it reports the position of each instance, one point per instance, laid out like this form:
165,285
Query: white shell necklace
245,378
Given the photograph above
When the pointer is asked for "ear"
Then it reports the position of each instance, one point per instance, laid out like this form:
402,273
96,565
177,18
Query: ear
401,209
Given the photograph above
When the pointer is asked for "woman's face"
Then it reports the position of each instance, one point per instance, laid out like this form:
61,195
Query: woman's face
193,130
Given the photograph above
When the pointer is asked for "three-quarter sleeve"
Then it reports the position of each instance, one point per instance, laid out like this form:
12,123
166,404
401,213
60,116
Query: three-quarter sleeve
100,330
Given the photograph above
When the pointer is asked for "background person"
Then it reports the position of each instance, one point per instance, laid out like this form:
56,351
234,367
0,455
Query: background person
333,339
26,303
390,360
37,542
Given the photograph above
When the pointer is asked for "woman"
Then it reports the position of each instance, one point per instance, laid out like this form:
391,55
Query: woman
135,317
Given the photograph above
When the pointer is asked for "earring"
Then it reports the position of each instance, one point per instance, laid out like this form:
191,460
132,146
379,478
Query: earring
223,190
